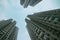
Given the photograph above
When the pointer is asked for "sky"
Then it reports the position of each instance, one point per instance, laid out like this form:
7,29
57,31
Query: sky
12,9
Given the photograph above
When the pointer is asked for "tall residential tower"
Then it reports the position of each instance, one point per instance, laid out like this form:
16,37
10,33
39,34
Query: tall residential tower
25,3
8,30
44,25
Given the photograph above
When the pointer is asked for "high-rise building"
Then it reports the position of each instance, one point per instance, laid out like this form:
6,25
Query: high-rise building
44,25
8,30
25,3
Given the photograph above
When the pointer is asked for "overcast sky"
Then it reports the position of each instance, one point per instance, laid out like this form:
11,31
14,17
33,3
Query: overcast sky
13,9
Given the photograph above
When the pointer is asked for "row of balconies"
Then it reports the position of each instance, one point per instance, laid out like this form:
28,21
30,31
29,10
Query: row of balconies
7,34
44,28
38,32
49,29
3,24
7,29
41,34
